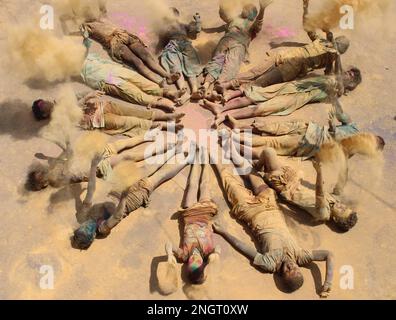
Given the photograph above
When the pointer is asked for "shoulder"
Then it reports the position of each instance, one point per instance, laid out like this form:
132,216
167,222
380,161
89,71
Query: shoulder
304,257
269,261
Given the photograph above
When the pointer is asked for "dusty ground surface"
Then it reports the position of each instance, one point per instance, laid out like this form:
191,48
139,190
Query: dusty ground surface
35,228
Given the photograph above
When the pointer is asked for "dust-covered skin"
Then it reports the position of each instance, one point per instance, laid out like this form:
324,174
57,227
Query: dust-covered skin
36,227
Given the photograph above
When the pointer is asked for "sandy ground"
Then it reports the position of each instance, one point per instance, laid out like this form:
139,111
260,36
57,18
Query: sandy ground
35,228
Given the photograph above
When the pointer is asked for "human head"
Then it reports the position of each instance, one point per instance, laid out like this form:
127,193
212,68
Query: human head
342,43
343,217
38,177
85,235
42,109
291,275
352,78
195,268
249,12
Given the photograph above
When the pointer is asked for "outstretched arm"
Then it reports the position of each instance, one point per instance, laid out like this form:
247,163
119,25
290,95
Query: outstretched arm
246,250
258,23
219,29
324,255
311,34
322,209
92,181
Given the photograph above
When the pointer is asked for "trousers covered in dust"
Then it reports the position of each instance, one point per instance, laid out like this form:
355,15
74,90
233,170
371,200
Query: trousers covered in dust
285,98
116,118
121,82
300,138
292,63
179,55
232,49
138,195
265,219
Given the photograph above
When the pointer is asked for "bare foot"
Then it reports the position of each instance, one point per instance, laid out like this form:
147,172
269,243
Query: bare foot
219,88
178,116
165,104
215,97
197,95
212,107
233,122
174,95
218,122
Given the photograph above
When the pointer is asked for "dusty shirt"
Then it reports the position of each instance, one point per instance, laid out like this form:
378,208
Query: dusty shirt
319,86
298,62
286,183
317,135
110,35
266,220
93,117
198,232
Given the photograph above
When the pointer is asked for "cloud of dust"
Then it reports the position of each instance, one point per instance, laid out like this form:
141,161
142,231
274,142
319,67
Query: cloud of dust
126,174
325,14
168,277
64,119
85,9
230,9
205,45
41,55
85,148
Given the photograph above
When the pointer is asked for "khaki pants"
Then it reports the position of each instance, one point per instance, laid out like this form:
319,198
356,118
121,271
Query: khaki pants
133,87
120,119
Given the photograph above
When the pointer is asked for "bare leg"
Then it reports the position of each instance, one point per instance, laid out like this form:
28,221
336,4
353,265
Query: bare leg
167,172
146,56
122,144
232,94
164,103
192,186
193,82
235,124
162,116
134,61
242,114
232,104
269,161
255,179
204,188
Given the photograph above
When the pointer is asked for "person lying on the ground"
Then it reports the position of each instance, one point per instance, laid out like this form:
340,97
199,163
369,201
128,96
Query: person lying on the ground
321,205
232,49
57,172
134,197
112,117
179,56
124,83
196,216
278,251
292,63
127,48
285,65
284,98
304,139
